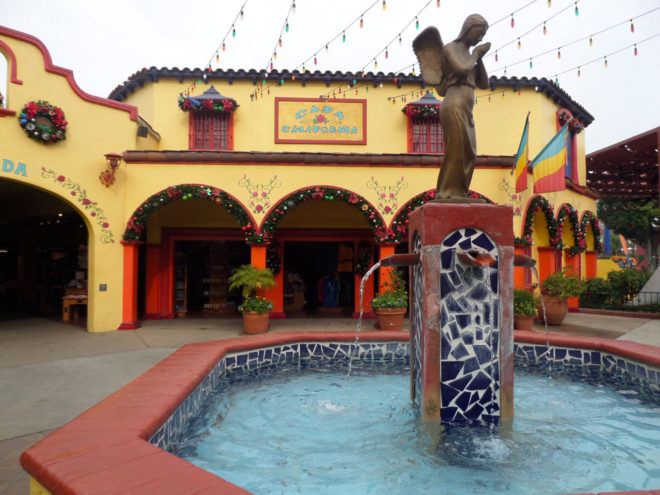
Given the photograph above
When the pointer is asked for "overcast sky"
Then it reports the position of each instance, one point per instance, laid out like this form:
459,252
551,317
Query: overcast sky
104,42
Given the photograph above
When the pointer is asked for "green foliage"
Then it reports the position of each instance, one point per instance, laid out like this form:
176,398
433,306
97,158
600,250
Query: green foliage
597,293
256,304
565,284
626,284
249,278
524,303
394,295
635,219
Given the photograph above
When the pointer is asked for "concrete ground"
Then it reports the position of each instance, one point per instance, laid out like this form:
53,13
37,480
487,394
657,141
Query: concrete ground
50,371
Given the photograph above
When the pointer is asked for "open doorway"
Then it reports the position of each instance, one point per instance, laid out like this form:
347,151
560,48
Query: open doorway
319,278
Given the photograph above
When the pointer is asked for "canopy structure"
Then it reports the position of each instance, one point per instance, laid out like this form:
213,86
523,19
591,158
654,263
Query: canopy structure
628,169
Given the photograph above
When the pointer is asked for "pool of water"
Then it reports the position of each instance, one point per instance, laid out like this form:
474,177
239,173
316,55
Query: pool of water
295,430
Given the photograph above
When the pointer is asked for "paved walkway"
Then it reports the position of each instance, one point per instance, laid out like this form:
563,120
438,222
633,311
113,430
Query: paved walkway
50,372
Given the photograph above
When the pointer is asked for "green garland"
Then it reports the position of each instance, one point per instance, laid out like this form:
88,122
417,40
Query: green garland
274,257
363,257
279,211
579,244
590,219
138,221
541,203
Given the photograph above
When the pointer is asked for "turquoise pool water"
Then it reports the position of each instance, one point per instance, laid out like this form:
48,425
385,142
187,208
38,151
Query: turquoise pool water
313,431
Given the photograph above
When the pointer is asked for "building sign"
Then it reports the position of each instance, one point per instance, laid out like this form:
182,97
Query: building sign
317,121
8,167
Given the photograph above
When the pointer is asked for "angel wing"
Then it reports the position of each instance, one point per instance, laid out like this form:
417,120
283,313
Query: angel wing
428,49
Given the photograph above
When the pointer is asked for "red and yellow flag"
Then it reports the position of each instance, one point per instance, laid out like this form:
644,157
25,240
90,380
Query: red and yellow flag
522,159
549,165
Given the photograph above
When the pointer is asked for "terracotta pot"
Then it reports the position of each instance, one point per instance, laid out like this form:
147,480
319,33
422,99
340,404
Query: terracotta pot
556,309
255,322
390,318
523,322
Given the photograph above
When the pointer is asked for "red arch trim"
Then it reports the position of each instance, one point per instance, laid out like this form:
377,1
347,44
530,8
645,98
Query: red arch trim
12,61
67,73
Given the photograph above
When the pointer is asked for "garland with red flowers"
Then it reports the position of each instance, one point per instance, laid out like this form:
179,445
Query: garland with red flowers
279,211
191,104
138,221
422,111
43,122
540,203
274,257
579,244
363,257
573,124
590,219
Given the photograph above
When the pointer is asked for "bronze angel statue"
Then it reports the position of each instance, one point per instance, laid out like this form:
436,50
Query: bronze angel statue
455,72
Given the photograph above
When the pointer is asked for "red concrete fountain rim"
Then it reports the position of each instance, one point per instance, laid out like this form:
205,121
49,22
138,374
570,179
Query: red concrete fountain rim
106,449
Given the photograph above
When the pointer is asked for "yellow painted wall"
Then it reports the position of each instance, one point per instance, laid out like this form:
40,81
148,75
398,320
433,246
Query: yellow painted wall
93,130
606,266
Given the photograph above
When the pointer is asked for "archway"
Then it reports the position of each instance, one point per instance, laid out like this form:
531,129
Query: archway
195,234
593,243
321,237
43,255
541,236
573,242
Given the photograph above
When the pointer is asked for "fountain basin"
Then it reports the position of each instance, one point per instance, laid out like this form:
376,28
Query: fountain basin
106,449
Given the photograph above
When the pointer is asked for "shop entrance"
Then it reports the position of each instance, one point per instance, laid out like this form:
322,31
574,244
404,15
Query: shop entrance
200,277
43,256
319,278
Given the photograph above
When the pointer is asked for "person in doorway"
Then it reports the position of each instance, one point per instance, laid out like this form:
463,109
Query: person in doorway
329,290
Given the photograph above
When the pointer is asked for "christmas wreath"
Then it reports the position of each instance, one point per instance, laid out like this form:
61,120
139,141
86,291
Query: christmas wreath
190,104
43,122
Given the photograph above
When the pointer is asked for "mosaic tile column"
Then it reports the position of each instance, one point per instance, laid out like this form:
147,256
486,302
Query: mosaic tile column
462,316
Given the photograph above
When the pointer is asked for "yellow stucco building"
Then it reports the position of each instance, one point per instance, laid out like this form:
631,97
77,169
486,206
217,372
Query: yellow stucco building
184,174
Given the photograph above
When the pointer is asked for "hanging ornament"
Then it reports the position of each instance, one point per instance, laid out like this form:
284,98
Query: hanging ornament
315,62
496,57
361,23
268,92
505,71
549,3
519,44
343,36
413,70
519,92
387,55
366,89
339,89
416,23
217,57
286,26
275,55
513,23
556,80
605,62
356,91
632,26
635,49
223,46
293,77
579,72
577,11
271,66
303,69
233,32
375,64
488,98
591,41
384,5
558,53
242,14
279,42
393,101
545,30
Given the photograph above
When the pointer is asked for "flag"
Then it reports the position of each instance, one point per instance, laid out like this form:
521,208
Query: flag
548,167
522,158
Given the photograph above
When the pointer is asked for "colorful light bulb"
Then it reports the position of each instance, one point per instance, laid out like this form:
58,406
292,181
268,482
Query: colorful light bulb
361,22
224,47
545,30
497,58
233,32
384,4
519,44
635,49
513,23
531,64
286,27
632,26
416,23
279,42
577,11
605,63
591,41
558,53
343,36
579,72
387,55
437,4
217,57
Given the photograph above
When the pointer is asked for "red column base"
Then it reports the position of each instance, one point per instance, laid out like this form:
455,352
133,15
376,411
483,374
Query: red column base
277,315
151,316
129,325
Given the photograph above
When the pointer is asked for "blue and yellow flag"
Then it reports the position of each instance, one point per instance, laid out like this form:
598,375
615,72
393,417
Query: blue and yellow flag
522,158
549,165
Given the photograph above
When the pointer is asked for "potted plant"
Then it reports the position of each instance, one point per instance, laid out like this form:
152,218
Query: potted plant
255,309
555,290
524,309
391,304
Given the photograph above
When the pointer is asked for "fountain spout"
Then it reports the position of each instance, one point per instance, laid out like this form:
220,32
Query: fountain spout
476,258
523,260
401,260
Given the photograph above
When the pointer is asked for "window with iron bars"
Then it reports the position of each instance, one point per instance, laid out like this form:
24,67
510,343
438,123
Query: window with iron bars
211,131
426,135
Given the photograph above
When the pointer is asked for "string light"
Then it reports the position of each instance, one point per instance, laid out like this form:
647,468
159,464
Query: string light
223,46
361,23
545,30
375,64
274,55
531,65
635,49
241,14
605,61
315,62
632,26
384,5
279,42
233,32
513,23
217,57
558,53
519,44
293,6
400,40
343,36
286,27
591,41
387,54
416,23
579,72
437,4
549,3
496,56
577,11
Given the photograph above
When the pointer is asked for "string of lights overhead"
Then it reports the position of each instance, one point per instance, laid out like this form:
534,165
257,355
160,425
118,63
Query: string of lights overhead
283,31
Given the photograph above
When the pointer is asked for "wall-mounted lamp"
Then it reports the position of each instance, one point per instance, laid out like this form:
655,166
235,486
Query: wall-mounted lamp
107,177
